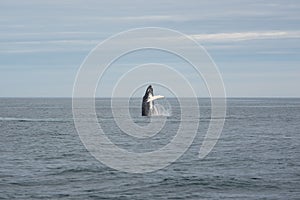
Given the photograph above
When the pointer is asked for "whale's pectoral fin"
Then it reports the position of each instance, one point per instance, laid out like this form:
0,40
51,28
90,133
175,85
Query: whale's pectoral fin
155,97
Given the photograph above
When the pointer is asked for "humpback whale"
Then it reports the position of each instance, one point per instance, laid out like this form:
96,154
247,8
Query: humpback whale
148,104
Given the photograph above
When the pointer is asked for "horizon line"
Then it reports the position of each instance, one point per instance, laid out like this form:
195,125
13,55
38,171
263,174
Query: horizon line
205,97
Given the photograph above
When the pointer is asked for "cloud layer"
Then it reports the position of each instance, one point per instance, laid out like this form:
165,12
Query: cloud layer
47,38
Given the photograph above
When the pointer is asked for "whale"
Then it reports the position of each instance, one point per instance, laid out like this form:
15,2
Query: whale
148,101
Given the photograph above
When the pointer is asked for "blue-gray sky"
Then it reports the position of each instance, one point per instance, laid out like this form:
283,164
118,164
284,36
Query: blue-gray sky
255,44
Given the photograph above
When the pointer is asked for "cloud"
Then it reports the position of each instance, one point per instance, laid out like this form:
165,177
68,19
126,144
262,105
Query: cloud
241,36
35,46
143,18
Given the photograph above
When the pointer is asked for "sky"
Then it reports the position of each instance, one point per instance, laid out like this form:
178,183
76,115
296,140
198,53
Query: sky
255,44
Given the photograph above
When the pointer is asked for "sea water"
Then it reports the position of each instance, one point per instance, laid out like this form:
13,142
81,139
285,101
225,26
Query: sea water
256,157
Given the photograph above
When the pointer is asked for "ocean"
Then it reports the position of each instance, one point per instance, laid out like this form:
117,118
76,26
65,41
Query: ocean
256,157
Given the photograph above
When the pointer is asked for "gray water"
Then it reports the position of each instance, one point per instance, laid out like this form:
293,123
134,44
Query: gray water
256,157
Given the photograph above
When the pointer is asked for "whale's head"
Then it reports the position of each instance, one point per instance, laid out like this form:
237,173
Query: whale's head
149,91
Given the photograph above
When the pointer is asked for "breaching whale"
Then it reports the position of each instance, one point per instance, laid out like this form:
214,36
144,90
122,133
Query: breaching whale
148,104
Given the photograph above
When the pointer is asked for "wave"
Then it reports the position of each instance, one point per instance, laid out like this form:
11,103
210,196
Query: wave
34,119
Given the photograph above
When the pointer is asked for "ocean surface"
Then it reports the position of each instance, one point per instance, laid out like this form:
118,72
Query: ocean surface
256,157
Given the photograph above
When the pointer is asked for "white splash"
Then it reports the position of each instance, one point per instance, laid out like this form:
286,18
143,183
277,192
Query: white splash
159,110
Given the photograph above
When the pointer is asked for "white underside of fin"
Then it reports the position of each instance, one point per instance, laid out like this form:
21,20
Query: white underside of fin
152,98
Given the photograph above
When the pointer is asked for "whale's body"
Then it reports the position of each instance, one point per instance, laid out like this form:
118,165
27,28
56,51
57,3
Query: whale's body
148,101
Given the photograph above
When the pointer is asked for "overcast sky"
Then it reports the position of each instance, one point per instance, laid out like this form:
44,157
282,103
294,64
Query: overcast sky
255,44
